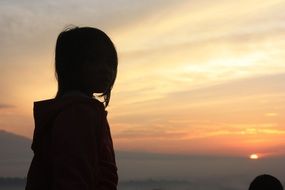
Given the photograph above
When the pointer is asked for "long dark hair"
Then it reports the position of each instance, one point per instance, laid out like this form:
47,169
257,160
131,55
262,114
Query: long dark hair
74,46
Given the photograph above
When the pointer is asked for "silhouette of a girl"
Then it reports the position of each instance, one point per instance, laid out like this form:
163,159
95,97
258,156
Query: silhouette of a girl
72,142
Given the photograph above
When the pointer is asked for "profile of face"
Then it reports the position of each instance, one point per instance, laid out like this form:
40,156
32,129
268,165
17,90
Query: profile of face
97,76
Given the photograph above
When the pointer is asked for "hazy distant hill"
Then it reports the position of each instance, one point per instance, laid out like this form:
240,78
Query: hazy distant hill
15,154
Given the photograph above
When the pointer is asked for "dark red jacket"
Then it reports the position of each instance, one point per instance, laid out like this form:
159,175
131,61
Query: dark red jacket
72,146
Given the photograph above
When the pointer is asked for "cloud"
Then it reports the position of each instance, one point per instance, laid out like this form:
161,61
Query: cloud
6,106
30,20
146,133
219,118
193,21
256,90
151,73
259,85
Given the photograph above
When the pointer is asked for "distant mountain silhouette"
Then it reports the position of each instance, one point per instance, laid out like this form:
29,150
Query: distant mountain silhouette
15,154
14,183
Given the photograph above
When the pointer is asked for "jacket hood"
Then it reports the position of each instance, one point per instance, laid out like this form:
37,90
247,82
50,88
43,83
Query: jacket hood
45,112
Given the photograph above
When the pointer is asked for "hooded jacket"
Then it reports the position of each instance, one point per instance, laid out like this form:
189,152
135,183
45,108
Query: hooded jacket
72,145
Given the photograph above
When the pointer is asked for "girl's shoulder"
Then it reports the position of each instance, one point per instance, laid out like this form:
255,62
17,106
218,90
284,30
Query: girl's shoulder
78,99
85,106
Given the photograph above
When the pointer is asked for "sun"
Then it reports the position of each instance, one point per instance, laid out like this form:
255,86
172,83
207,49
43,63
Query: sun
254,156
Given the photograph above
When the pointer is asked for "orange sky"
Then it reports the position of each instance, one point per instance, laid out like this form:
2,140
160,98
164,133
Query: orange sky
195,77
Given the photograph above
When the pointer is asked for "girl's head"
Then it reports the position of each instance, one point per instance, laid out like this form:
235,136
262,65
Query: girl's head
85,60
264,182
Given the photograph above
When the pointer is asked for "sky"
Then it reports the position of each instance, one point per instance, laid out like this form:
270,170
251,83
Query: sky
197,77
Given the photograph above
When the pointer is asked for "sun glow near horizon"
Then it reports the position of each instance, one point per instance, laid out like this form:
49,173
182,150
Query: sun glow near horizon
254,156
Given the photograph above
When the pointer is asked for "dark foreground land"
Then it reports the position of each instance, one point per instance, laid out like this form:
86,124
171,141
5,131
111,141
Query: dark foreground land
150,184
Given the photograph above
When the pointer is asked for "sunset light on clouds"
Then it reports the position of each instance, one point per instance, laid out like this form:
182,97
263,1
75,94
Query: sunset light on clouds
195,77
